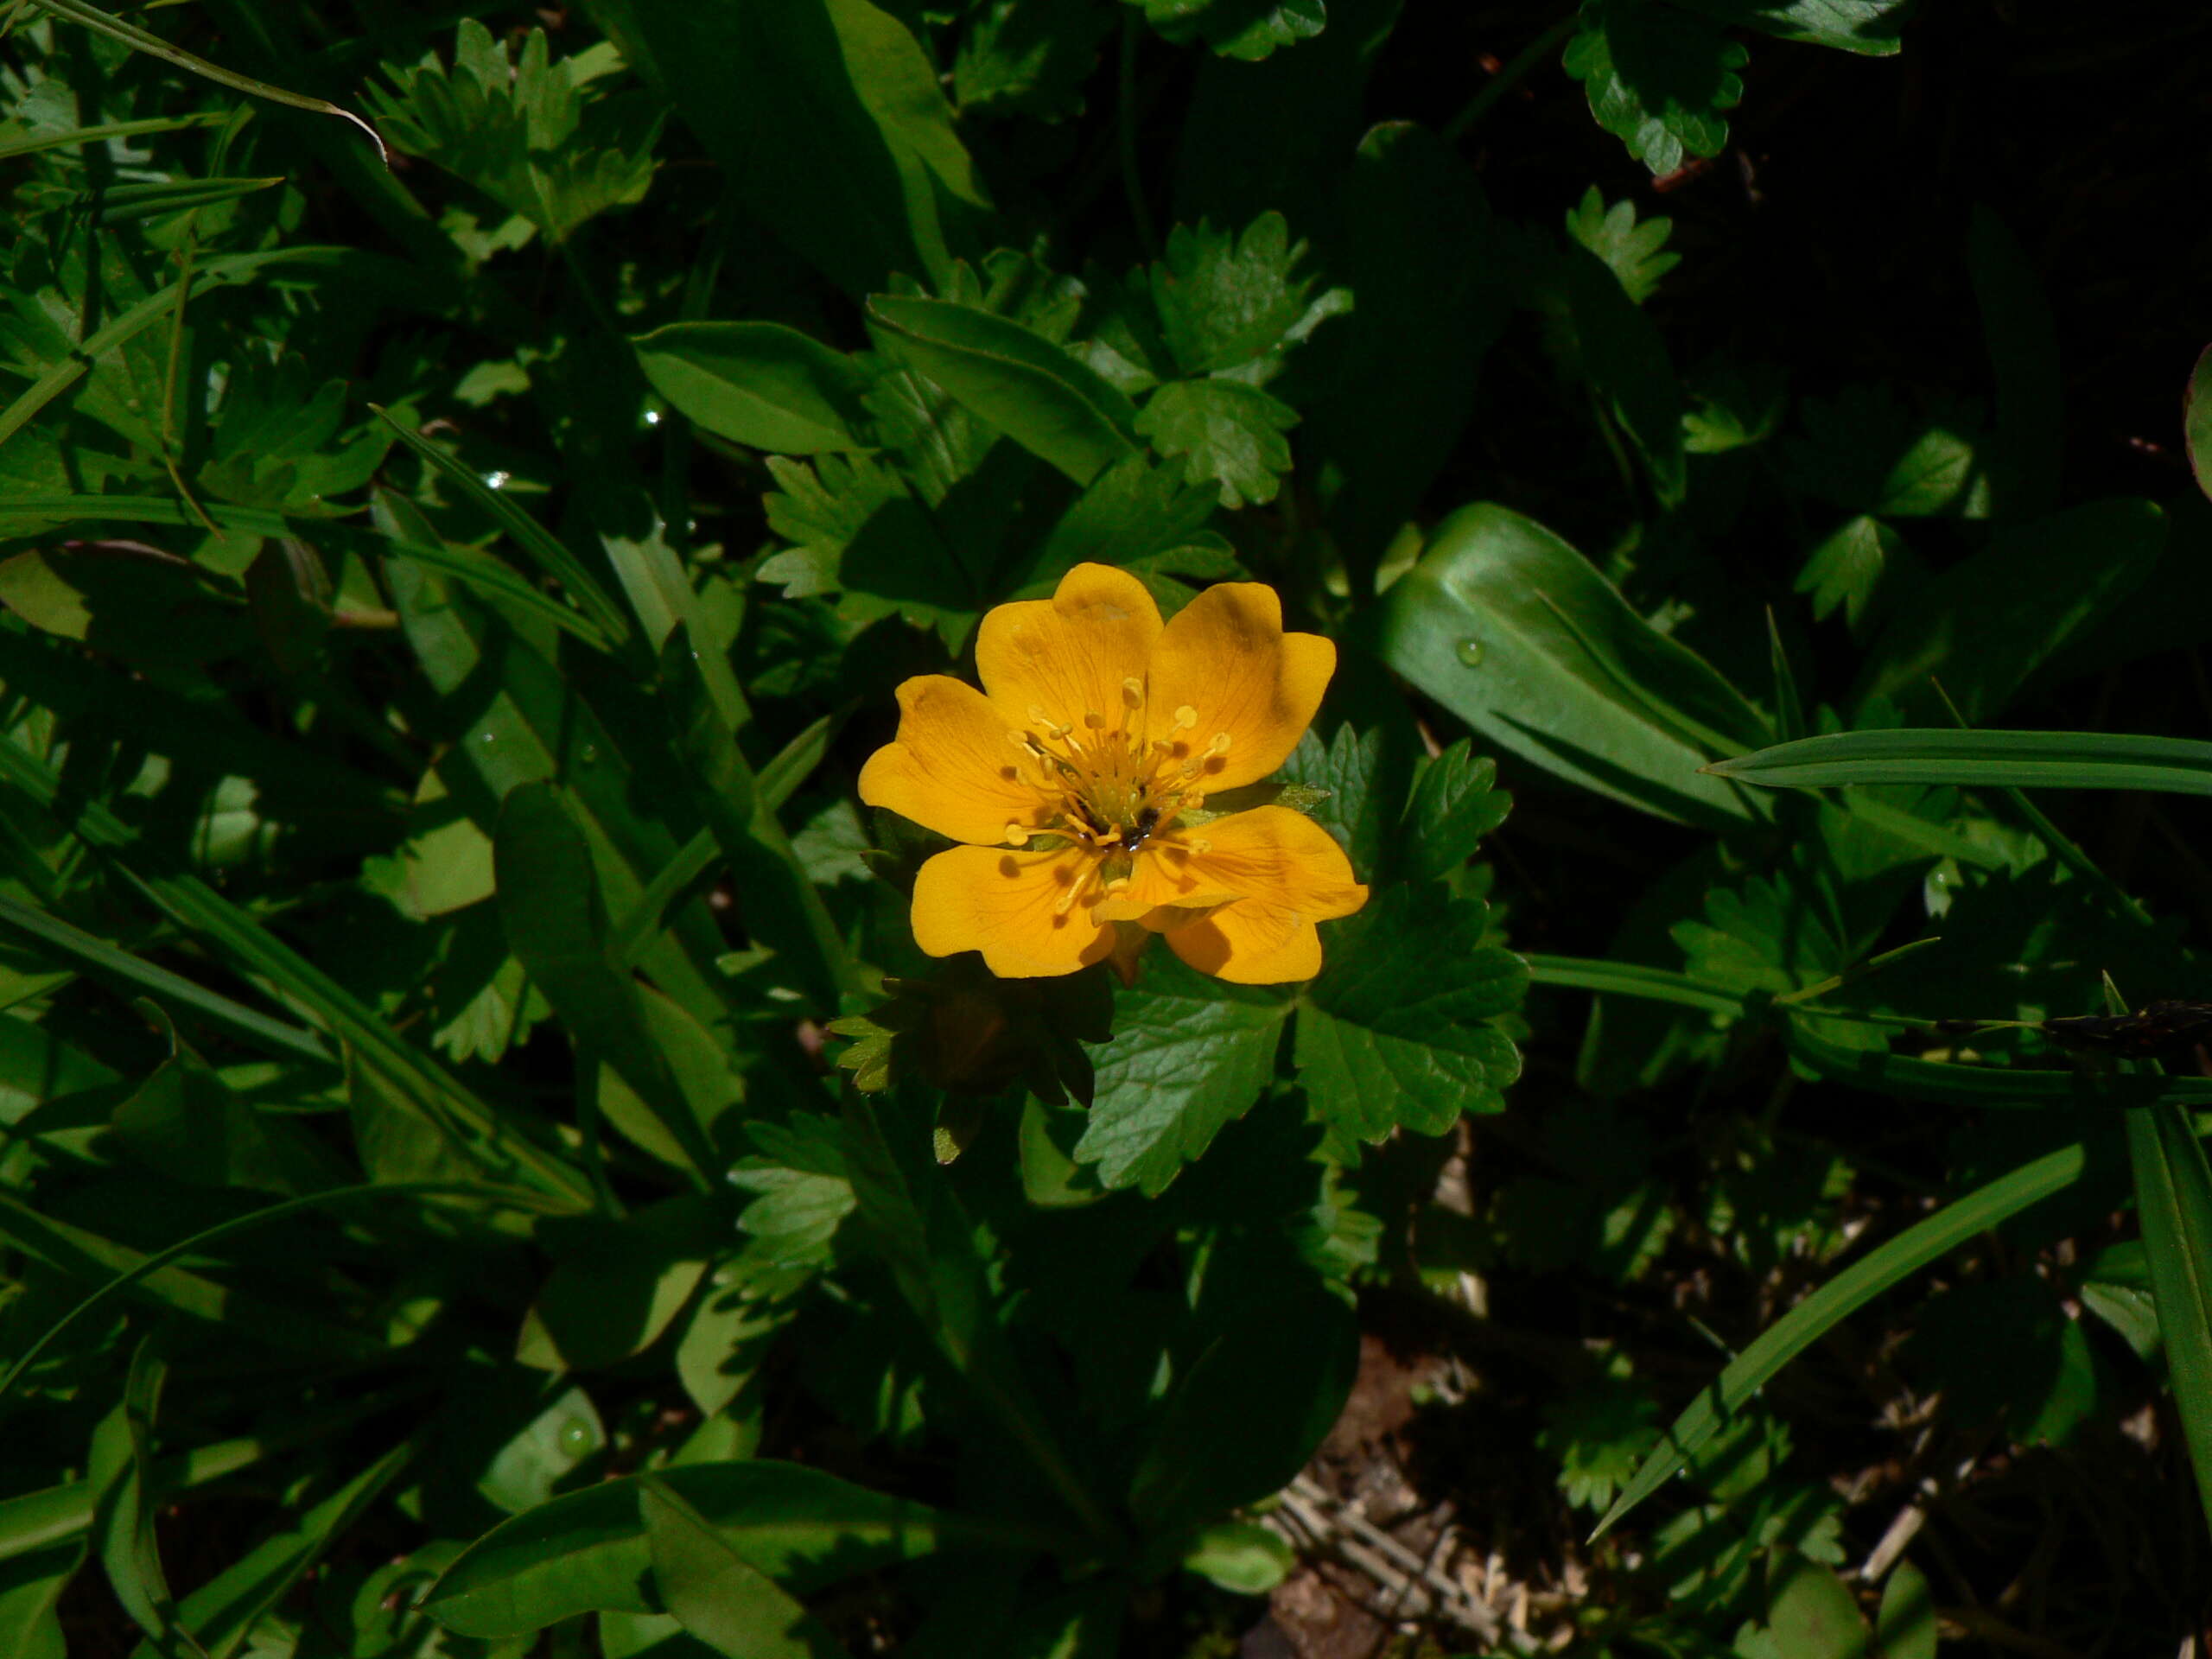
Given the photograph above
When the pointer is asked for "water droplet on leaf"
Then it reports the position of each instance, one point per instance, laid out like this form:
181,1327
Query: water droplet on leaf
1471,652
575,1436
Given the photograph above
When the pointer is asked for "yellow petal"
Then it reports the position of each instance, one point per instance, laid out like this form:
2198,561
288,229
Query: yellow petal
1286,873
1249,943
1069,655
953,768
1226,658
1009,906
1270,853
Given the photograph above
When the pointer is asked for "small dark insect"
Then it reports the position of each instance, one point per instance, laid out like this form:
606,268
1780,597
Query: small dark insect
1140,832
2155,1029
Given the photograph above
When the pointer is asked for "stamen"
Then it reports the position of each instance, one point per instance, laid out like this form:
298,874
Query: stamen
1016,836
1185,717
1131,693
1097,722
1220,744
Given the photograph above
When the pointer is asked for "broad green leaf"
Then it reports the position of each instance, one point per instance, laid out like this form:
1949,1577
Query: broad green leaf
1848,1291
1978,759
556,924
1984,624
1863,26
30,1594
781,908
223,1611
1279,1369
2173,1194
587,1549
615,1288
1012,379
1511,629
1392,1033
1810,1614
919,1228
1392,394
186,1122
716,1594
758,384
827,117
1189,1055
118,1468
1658,81
1223,431
1904,1627
2196,420
1620,352
1241,1556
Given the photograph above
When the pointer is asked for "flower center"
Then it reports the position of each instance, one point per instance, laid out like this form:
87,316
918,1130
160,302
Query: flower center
1109,786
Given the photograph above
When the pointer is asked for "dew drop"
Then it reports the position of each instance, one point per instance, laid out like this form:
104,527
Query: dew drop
1471,652
653,417
590,756
575,1436
496,480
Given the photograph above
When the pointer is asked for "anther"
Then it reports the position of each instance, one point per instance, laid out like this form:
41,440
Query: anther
1016,836
1185,717
1220,744
1095,722
1131,693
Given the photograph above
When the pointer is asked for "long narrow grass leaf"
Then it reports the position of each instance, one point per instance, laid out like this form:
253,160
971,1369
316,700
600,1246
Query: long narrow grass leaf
1834,1301
1980,759
2173,1195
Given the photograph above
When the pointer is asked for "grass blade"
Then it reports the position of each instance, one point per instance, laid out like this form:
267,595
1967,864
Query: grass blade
2173,1192
548,550
1980,759
139,40
1837,1299
1629,979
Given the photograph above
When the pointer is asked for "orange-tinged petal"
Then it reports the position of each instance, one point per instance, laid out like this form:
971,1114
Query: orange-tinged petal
1226,657
1008,906
953,768
1249,943
1270,854
1286,873
1069,655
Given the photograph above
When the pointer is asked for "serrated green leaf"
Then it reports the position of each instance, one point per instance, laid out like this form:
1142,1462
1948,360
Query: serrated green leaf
1250,29
1635,252
1226,301
1222,430
1189,1055
1455,803
1847,568
1393,1033
1658,80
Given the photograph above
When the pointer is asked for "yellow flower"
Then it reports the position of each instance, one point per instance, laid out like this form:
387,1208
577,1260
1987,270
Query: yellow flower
1072,777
